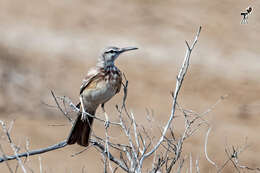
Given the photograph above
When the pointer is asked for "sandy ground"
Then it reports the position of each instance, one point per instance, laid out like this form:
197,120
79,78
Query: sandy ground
50,45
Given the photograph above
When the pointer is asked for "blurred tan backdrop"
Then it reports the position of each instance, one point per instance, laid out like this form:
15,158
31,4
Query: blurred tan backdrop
48,45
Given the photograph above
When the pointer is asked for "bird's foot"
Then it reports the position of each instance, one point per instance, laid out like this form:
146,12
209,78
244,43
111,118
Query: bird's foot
106,124
84,116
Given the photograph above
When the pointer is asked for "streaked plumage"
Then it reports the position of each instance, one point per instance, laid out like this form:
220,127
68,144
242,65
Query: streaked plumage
100,85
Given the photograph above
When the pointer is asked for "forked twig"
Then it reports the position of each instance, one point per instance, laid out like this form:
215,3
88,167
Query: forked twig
57,103
179,81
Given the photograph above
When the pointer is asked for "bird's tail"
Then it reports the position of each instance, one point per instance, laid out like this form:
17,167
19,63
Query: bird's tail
80,131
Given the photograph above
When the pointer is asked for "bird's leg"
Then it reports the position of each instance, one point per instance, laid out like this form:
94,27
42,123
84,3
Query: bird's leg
103,107
243,21
83,115
245,18
106,124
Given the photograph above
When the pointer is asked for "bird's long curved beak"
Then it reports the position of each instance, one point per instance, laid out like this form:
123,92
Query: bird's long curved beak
127,49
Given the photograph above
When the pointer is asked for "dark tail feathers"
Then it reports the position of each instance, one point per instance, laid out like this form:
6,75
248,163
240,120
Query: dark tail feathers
80,131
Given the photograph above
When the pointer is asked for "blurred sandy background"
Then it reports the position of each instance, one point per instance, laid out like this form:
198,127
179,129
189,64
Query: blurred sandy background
48,45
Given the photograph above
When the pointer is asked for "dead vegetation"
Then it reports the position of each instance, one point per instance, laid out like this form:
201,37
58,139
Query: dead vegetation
166,152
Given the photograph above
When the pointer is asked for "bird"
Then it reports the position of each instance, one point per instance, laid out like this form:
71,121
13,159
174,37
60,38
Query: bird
245,14
101,83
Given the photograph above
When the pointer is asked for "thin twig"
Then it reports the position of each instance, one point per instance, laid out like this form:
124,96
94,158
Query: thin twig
110,156
40,163
57,103
190,163
4,157
35,152
179,81
77,110
197,165
107,151
205,149
15,149
180,166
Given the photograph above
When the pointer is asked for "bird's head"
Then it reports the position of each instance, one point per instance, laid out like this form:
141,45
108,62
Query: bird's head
110,54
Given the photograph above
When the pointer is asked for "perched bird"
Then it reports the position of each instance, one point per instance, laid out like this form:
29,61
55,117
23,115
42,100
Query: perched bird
245,15
101,83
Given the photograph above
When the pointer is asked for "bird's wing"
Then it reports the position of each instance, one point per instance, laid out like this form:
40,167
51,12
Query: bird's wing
120,82
89,81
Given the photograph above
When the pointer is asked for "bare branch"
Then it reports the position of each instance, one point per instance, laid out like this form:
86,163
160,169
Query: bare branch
205,149
180,166
190,163
40,163
197,165
179,81
57,103
4,157
35,152
107,151
233,157
110,156
77,110
14,148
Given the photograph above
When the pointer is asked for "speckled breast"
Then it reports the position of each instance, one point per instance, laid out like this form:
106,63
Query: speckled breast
106,87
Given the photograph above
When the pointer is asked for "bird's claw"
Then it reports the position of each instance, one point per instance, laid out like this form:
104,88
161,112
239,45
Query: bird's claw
106,124
83,116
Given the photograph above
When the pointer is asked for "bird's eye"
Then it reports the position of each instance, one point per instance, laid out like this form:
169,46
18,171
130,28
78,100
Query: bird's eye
111,51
